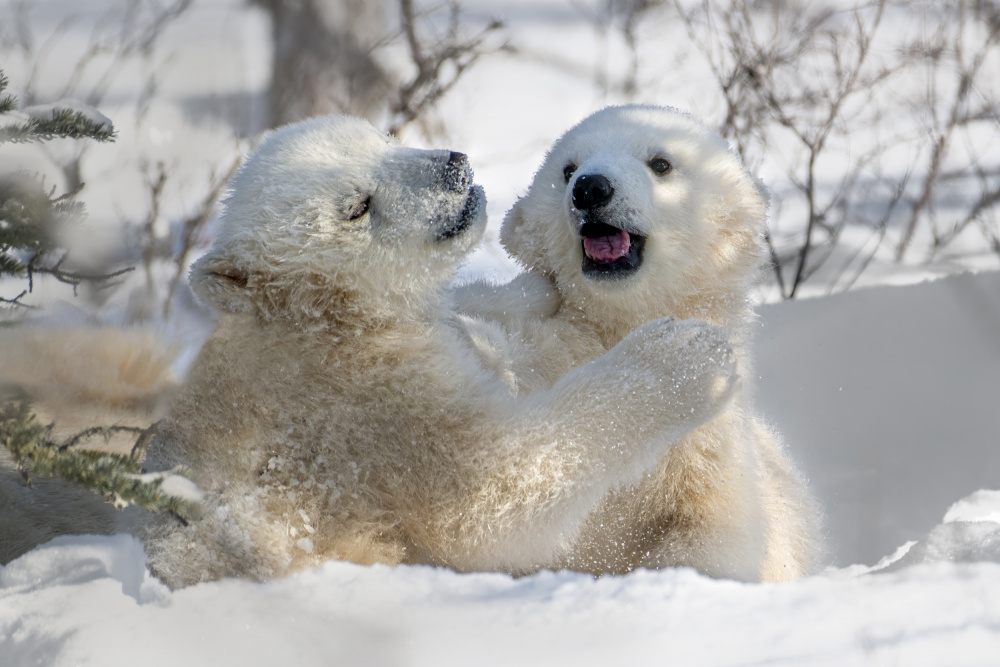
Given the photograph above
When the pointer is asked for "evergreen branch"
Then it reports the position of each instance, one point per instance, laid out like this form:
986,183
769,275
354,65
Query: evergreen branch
66,119
68,196
7,102
30,217
11,266
27,220
68,210
113,475
65,123
72,124
17,132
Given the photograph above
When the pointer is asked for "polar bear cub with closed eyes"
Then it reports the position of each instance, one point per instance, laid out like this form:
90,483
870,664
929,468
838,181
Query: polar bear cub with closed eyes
637,213
342,410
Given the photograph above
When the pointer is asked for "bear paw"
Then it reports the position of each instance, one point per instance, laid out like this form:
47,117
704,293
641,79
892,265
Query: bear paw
689,365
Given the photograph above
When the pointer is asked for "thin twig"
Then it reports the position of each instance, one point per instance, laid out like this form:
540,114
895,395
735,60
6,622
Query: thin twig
195,223
16,301
74,278
428,86
104,431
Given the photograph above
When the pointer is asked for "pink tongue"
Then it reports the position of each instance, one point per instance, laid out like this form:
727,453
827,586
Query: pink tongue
606,249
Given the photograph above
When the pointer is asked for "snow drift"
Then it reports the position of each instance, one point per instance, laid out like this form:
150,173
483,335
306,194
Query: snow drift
89,600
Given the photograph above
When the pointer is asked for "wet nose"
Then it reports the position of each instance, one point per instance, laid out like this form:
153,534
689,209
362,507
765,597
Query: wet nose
592,191
457,173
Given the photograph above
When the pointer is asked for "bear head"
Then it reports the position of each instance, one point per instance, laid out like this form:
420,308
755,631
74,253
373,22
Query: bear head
330,218
639,212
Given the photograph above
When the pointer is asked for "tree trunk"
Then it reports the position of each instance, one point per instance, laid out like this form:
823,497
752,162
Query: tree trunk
323,59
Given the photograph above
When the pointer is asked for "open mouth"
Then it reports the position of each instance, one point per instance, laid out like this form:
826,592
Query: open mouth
610,252
469,212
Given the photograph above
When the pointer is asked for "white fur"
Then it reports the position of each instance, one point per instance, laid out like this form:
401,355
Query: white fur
342,409
725,499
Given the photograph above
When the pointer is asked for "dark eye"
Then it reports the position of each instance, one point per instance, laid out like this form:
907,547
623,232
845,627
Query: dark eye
659,165
568,171
360,208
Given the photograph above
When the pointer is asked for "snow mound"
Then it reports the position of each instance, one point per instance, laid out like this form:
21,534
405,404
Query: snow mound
980,506
173,483
90,600
74,560
970,533
887,397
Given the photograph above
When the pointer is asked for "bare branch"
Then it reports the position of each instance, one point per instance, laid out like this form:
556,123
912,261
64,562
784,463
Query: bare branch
74,278
105,432
16,301
960,53
431,82
194,223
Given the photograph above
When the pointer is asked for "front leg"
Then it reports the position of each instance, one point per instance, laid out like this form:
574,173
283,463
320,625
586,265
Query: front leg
600,426
664,379
528,295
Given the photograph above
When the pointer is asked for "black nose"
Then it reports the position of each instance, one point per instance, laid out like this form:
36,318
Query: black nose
592,191
457,172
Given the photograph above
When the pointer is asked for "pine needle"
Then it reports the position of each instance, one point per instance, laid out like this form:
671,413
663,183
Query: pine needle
115,476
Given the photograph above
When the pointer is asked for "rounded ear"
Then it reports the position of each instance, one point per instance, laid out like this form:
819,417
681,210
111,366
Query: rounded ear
739,216
522,238
218,282
742,203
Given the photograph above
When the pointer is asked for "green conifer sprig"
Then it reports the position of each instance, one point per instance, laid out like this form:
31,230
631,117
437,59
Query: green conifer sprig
28,217
18,133
66,123
31,216
7,102
48,122
116,476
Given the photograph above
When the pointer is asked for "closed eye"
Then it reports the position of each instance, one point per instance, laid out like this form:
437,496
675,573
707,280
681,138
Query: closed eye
568,171
360,208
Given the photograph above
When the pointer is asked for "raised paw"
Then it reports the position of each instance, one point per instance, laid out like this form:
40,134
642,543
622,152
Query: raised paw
689,364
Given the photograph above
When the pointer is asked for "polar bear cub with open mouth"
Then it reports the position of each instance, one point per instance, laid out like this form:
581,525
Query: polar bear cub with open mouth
342,410
637,213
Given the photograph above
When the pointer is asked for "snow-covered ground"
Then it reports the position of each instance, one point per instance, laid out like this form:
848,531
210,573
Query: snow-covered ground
889,397
90,601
